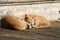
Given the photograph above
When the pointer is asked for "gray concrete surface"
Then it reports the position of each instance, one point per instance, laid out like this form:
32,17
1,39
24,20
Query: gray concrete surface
50,11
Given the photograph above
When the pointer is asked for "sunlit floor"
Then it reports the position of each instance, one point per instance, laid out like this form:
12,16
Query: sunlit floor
52,33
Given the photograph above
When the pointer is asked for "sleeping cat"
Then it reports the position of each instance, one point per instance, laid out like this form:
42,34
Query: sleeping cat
37,21
13,22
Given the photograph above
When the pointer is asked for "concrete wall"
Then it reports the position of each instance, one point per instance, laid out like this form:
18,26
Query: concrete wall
50,11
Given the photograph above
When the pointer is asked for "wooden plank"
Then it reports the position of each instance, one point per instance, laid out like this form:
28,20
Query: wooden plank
26,3
31,34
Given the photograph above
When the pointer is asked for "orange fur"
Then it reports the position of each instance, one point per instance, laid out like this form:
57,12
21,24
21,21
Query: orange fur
37,21
15,22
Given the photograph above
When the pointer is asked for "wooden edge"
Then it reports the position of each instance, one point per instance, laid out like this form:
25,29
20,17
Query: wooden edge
26,3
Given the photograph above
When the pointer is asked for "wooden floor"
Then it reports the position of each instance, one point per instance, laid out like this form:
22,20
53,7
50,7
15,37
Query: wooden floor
32,34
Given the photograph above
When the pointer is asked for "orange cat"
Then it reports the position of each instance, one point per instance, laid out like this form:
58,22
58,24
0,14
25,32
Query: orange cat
37,21
14,22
